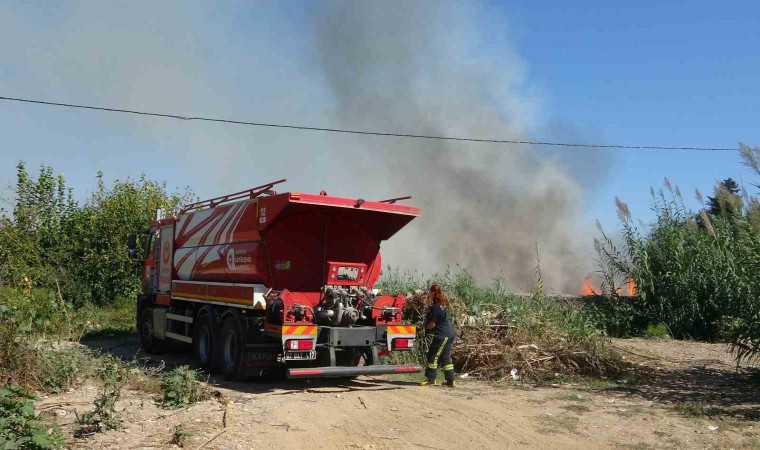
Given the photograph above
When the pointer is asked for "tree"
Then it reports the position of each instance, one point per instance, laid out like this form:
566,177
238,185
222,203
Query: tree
50,241
727,200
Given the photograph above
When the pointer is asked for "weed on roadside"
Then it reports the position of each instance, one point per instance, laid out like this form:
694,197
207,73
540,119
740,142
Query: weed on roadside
179,436
20,427
182,386
61,369
114,374
37,365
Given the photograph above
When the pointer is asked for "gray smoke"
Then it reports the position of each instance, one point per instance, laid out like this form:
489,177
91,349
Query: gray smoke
425,68
413,66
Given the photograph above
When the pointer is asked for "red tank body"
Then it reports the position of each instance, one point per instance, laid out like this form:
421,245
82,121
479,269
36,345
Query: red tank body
285,241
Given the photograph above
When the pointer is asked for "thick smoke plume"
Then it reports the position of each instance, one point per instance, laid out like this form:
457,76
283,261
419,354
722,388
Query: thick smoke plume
415,66
426,69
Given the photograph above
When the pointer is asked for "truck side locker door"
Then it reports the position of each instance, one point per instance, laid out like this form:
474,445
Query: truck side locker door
166,258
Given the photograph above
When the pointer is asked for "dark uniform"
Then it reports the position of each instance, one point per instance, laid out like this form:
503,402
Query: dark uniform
439,353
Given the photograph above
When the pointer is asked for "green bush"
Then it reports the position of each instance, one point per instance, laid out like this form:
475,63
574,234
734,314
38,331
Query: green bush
696,272
657,331
51,241
38,310
20,427
182,386
615,316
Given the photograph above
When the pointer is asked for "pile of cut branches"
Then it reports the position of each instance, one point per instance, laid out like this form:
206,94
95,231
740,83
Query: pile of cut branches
540,337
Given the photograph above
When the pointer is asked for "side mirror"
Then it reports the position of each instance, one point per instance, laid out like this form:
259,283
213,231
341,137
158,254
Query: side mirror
132,246
132,242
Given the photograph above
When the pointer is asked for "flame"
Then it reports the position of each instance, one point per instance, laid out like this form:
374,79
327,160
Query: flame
628,289
587,288
631,286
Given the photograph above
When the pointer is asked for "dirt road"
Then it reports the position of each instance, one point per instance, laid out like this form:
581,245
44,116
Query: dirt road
380,413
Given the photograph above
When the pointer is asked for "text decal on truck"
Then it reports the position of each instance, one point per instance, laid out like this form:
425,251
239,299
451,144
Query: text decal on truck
239,260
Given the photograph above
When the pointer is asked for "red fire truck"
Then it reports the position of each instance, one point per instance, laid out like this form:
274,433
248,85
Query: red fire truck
258,281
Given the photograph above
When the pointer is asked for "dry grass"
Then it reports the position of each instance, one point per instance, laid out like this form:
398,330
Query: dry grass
539,337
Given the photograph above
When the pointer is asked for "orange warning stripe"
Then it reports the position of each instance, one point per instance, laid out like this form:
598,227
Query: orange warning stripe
402,329
299,329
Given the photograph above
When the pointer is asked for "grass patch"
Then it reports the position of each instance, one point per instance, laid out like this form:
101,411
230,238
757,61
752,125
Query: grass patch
576,408
554,424
697,410
657,331
636,446
117,319
148,383
39,366
45,314
630,412
572,396
590,383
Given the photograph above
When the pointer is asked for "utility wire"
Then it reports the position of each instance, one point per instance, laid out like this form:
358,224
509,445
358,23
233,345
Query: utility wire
371,133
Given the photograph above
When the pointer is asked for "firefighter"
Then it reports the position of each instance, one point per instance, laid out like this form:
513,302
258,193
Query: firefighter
438,322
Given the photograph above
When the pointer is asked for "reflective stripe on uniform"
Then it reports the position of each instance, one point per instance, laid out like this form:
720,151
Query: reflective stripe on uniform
448,367
438,353
432,366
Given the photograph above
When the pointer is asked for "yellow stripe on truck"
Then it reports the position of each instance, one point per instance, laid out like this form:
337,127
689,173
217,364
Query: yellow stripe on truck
402,329
299,329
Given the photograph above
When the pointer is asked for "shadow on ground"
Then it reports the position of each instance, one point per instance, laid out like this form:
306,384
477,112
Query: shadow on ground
723,390
714,391
125,345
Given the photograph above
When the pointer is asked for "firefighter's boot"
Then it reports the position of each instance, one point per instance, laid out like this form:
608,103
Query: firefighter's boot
428,382
450,383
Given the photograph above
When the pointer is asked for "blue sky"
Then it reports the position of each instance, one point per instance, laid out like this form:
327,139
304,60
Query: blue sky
648,73
652,73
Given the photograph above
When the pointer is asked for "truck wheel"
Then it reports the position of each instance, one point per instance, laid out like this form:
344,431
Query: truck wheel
204,344
232,348
148,340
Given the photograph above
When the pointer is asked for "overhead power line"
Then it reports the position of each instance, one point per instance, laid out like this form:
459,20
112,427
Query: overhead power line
370,133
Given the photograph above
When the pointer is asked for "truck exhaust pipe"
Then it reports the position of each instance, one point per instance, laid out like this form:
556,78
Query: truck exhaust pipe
333,372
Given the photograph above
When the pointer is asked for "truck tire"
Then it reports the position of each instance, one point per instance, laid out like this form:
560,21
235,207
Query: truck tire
232,347
148,340
205,348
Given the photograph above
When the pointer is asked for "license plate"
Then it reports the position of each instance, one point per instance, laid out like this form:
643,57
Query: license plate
258,356
300,355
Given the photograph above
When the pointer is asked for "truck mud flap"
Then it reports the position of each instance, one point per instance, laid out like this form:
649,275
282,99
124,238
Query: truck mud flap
330,372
